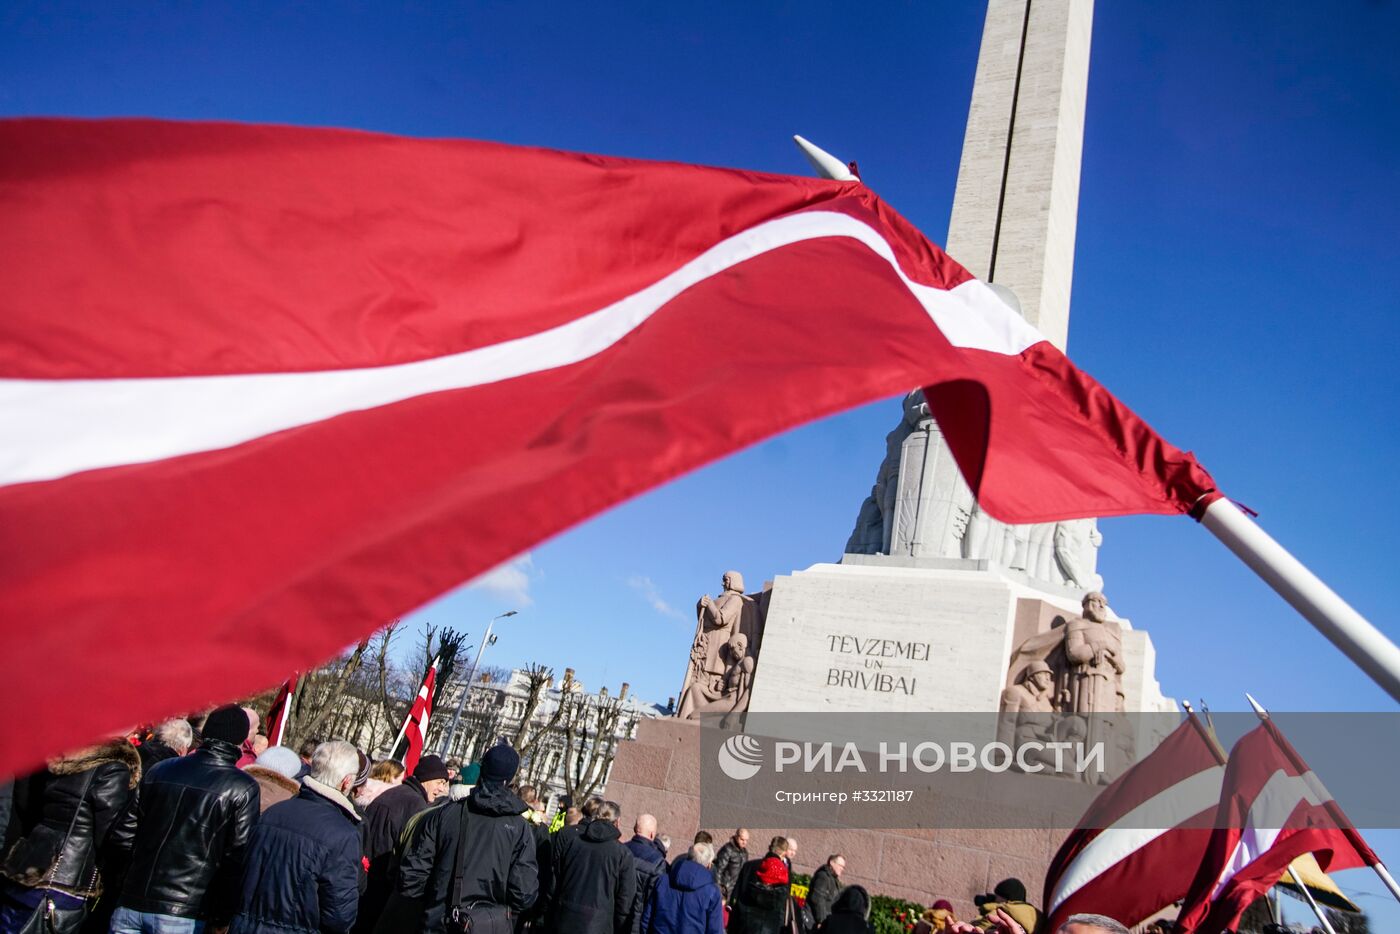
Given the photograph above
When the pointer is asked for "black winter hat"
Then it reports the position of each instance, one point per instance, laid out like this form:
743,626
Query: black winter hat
229,723
1010,890
499,764
429,768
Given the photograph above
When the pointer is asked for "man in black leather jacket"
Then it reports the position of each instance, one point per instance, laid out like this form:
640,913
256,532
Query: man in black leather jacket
193,822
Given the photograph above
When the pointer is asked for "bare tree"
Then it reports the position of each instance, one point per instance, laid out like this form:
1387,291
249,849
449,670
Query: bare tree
590,728
322,691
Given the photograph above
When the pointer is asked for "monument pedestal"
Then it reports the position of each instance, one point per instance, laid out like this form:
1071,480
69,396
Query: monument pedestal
659,773
879,633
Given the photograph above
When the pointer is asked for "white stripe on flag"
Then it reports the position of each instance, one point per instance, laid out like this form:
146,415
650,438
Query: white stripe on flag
1139,827
1268,813
53,428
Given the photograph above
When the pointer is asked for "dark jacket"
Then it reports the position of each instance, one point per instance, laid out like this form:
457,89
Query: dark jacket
686,901
849,913
88,790
303,867
495,861
153,752
650,864
194,818
821,894
728,861
756,907
595,883
385,819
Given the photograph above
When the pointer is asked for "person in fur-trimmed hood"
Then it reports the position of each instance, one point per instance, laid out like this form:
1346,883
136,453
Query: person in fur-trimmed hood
66,815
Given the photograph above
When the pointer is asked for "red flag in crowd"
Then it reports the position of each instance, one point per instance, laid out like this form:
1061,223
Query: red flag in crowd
276,385
1136,849
1272,810
415,725
280,712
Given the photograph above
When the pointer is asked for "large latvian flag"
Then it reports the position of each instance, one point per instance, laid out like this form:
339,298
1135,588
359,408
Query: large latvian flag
267,387
1272,810
1136,849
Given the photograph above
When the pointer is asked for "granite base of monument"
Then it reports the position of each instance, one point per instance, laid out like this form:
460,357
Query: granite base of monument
658,773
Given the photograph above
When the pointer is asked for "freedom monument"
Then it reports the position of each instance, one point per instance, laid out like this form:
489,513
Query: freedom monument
934,606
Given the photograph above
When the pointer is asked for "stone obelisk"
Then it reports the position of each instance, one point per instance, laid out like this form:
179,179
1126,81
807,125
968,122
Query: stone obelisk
1013,224
1017,199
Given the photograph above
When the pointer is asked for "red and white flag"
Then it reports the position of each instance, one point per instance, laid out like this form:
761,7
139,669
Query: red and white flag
1272,810
270,386
1136,849
280,712
415,725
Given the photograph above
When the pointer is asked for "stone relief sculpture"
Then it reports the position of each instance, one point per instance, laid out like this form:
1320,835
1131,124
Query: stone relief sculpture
875,523
722,657
1077,669
921,506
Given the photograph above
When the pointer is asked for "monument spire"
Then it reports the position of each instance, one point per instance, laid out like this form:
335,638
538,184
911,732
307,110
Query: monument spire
1013,223
1016,203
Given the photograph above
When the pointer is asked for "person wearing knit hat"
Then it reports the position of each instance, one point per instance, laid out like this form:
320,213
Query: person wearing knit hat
1009,896
229,724
276,772
499,764
197,814
760,898
498,874
384,822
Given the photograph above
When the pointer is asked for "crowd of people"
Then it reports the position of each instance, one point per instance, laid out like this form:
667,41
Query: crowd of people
202,828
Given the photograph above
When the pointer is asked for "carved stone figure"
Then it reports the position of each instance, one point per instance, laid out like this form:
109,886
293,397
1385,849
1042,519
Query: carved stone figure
1077,544
720,673
1084,655
1094,649
875,523
1025,706
921,506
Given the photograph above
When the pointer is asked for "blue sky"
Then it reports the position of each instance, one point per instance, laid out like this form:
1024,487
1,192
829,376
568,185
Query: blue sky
1236,277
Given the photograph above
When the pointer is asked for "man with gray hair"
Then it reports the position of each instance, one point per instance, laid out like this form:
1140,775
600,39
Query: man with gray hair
687,898
170,740
1091,924
304,862
999,922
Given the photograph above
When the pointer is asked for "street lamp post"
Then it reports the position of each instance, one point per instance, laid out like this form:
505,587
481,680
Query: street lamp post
467,688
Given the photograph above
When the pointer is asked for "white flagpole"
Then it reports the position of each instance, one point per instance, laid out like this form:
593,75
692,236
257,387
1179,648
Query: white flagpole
1332,616
1333,809
1312,902
824,163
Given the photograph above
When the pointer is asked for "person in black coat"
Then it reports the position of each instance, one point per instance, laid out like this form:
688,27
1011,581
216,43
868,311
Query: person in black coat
729,860
649,861
850,914
86,792
759,904
825,886
304,865
385,820
594,882
474,855
193,820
